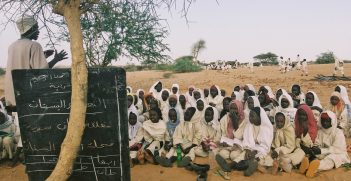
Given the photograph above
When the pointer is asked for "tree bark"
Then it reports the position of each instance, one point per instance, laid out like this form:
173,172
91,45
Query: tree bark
79,79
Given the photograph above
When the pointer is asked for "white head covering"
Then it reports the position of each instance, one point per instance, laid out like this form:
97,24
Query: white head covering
190,98
344,95
130,89
270,92
154,92
214,123
316,101
264,137
133,129
283,92
251,87
177,86
256,102
138,91
334,123
287,96
25,22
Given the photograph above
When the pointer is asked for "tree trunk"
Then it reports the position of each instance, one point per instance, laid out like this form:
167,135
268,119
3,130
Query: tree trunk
79,79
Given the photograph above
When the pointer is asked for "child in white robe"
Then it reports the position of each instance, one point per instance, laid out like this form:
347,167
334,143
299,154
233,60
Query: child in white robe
156,90
189,96
215,99
329,147
313,101
338,106
297,95
175,90
209,132
135,133
286,106
155,134
338,66
164,99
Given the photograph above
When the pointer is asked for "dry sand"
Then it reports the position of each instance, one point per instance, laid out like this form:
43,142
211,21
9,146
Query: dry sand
262,76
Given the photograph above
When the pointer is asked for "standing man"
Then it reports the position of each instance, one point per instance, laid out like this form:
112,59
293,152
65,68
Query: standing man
339,65
25,53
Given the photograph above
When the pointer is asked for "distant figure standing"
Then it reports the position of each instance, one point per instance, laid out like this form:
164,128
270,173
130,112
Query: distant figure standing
339,65
298,64
251,67
304,67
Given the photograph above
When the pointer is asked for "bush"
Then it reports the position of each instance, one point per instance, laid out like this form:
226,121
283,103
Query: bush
325,58
2,71
163,67
185,64
167,75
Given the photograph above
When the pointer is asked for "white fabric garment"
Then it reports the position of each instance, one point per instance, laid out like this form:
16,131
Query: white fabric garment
284,139
210,130
190,98
344,95
155,131
133,130
270,92
177,108
262,133
332,143
251,87
163,104
22,54
178,91
198,115
238,96
316,101
218,100
214,123
154,92
130,89
290,111
187,133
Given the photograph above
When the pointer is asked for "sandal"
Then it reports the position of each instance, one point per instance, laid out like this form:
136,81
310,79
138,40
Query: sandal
223,174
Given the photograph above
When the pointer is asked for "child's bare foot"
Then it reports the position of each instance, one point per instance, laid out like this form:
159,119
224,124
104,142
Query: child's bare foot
275,167
312,169
305,163
141,157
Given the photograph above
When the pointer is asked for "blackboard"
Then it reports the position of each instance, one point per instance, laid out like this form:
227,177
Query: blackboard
43,99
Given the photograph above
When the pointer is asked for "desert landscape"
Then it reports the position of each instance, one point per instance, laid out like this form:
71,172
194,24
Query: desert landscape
262,76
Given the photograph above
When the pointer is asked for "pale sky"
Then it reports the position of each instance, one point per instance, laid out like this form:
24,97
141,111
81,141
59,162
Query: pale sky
241,29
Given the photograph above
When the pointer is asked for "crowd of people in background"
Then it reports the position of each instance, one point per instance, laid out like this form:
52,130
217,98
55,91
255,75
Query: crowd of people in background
248,130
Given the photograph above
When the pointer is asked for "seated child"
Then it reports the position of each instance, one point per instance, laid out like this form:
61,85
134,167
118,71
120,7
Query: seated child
329,147
7,140
135,137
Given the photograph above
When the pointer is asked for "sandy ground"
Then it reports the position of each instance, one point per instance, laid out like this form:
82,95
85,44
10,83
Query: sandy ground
262,76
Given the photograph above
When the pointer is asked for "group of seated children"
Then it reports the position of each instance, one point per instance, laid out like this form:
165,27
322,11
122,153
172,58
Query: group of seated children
246,131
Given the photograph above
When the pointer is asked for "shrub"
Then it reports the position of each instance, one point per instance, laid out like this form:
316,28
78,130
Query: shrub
325,58
163,67
185,64
167,75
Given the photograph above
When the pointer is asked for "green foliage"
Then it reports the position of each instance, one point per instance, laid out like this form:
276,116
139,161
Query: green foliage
267,58
185,64
325,58
113,29
197,47
2,71
167,75
163,67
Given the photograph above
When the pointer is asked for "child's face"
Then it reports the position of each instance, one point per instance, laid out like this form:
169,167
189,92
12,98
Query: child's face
326,123
187,115
141,94
158,87
233,96
208,115
213,91
200,105
250,103
164,95
264,90
206,92
174,90
233,109
284,103
309,99
222,92
172,101
337,89
153,104
153,116
261,98
254,118
2,118
301,115
334,100
278,94
237,88
295,90
246,95
246,88
226,104
172,114
130,100
191,89
182,99
132,119
197,95
280,120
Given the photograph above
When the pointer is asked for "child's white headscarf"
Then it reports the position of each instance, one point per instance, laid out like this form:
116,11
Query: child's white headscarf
316,101
344,95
